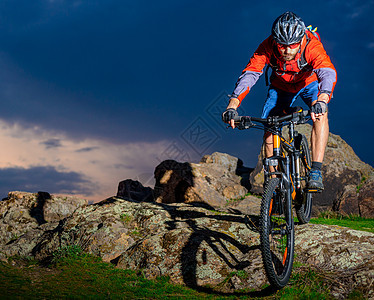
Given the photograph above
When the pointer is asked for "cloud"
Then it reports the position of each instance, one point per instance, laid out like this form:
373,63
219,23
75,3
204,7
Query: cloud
35,158
357,8
51,143
87,149
47,178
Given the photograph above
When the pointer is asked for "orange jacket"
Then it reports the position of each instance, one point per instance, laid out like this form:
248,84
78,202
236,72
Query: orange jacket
289,76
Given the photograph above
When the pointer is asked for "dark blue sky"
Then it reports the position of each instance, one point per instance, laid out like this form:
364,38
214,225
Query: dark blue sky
149,71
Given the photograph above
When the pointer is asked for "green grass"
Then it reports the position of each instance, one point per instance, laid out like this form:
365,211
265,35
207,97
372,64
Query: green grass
305,285
351,221
76,275
80,277
125,218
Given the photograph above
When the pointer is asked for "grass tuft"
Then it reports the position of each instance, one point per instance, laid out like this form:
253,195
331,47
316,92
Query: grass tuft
352,221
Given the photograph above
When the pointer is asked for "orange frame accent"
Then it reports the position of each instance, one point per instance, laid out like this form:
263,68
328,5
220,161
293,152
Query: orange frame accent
285,256
271,207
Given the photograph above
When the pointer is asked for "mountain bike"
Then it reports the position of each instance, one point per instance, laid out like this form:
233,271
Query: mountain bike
286,175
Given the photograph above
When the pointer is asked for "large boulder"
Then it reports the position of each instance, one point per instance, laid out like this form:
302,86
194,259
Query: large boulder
347,180
22,212
366,198
213,181
57,207
26,217
344,255
133,189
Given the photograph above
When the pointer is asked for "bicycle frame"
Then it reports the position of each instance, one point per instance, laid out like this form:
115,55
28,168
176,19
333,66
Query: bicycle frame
289,164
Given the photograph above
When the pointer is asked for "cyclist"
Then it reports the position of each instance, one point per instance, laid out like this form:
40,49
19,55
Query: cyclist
300,67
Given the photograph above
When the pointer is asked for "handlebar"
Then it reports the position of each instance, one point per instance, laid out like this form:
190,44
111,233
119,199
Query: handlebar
298,117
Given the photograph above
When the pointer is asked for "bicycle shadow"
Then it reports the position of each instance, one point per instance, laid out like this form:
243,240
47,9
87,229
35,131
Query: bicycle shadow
207,248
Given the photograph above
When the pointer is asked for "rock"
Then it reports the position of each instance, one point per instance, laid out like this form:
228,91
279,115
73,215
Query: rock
256,178
27,243
250,205
366,198
344,254
341,169
134,190
23,212
213,181
230,163
192,245
357,199
58,207
348,202
18,214
174,182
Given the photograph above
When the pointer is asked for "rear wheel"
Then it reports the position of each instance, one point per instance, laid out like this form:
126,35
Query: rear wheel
277,239
304,199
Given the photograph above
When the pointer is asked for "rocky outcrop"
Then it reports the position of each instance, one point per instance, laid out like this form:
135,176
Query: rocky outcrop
23,212
348,181
194,246
213,181
365,193
134,190
339,254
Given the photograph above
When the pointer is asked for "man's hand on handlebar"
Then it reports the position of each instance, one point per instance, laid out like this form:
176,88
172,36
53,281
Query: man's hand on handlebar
319,107
229,115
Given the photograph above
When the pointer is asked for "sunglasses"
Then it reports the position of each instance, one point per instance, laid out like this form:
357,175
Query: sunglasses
292,46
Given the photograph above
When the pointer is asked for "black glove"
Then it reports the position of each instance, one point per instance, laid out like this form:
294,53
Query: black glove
320,107
229,114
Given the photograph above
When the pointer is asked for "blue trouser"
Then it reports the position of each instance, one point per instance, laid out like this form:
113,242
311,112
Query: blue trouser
278,100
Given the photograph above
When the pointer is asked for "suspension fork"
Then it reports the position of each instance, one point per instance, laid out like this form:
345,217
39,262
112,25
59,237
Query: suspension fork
287,181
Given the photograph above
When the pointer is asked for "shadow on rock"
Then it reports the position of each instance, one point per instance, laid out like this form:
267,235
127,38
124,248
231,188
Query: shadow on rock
221,253
218,242
173,182
37,211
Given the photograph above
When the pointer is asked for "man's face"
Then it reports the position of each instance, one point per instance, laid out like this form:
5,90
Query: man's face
288,52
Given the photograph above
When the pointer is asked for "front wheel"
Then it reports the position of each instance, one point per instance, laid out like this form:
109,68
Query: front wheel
277,237
303,205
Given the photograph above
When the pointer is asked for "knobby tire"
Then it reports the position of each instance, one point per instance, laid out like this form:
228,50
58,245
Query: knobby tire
303,206
277,243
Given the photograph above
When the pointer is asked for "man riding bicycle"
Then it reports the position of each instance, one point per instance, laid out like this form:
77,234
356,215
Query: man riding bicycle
300,67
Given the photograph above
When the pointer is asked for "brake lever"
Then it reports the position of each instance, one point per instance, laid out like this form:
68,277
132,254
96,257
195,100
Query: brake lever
245,123
242,123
